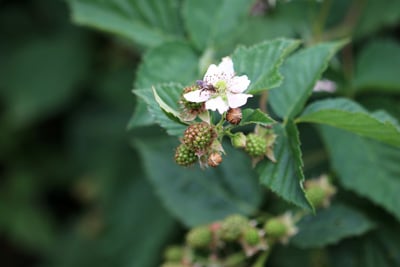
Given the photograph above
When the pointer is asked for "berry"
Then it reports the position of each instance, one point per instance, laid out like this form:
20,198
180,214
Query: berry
275,228
232,227
234,116
198,136
255,145
214,159
251,236
185,156
173,254
199,237
316,195
191,106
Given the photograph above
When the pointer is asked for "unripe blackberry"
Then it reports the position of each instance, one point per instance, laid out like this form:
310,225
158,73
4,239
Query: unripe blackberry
214,159
255,145
185,156
191,106
316,195
198,136
173,254
234,116
251,236
232,227
199,237
275,228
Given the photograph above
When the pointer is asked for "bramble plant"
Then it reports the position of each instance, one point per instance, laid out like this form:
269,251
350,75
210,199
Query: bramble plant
264,133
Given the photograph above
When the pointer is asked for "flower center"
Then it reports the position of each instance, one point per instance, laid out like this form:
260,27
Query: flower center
221,86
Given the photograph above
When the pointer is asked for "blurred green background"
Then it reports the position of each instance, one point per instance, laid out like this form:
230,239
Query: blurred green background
72,191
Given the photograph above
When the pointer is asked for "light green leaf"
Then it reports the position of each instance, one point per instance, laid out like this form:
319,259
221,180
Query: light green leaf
365,166
285,177
198,196
261,63
301,71
146,22
377,67
332,225
213,23
170,93
165,107
250,116
170,62
345,114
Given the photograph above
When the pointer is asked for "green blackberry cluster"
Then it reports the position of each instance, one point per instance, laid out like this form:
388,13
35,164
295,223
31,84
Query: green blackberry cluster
191,106
316,195
184,155
255,145
199,237
275,228
232,227
198,136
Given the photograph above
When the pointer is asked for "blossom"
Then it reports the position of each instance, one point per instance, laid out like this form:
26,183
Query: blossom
325,86
220,88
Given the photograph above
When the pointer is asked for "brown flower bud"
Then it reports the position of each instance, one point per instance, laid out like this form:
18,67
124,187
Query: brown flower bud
214,159
234,116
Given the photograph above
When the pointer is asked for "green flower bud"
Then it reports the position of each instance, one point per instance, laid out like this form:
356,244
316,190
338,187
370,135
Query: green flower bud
238,140
275,228
251,236
199,237
316,195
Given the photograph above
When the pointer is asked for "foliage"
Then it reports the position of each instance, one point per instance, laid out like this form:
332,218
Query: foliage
86,183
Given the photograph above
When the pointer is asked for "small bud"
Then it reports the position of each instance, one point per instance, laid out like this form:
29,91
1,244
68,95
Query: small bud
281,228
214,159
199,237
199,136
234,116
232,227
255,145
173,254
319,191
185,156
251,236
238,140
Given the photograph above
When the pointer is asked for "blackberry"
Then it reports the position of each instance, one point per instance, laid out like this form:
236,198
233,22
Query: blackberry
185,156
255,145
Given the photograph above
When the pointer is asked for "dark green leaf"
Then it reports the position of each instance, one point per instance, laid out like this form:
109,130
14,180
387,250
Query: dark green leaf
345,114
301,72
377,67
285,177
365,166
261,63
146,22
255,116
331,225
198,196
213,23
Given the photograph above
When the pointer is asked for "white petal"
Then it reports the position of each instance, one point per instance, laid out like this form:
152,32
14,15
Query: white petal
197,96
239,84
226,66
212,74
237,100
217,104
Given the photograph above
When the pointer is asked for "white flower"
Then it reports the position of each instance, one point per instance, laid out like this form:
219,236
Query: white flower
325,86
220,88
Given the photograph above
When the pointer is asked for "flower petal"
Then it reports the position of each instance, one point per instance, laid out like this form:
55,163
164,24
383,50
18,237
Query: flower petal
237,100
217,104
197,96
226,66
238,84
212,75
224,71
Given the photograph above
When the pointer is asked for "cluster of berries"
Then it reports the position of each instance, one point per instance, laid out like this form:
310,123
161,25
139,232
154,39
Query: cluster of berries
214,239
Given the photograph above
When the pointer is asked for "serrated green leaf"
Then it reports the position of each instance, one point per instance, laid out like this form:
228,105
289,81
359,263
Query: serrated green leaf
175,61
301,71
198,196
213,23
261,63
164,106
332,225
170,93
285,177
377,67
365,166
345,114
250,116
146,22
